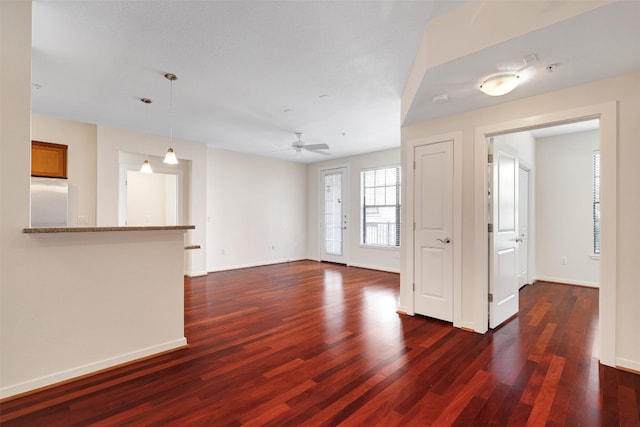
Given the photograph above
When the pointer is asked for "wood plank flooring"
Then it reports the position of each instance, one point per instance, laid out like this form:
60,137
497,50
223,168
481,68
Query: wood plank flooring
316,344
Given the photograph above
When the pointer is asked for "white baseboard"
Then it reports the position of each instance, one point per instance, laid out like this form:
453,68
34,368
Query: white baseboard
628,364
253,264
196,273
375,267
89,368
567,281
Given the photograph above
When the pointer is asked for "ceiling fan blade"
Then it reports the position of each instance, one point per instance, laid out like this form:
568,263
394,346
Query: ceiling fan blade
324,153
316,147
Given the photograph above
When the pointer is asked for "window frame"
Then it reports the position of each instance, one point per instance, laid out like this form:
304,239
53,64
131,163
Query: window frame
397,206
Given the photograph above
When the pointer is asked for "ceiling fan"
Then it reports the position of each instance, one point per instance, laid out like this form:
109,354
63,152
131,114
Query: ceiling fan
299,146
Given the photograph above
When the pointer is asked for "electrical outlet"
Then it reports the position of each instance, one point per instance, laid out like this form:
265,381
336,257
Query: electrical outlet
224,252
83,220
563,260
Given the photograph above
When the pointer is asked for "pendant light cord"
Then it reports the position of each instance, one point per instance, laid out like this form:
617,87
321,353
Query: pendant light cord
171,111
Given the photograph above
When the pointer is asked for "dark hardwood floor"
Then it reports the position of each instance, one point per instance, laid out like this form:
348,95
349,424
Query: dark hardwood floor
317,344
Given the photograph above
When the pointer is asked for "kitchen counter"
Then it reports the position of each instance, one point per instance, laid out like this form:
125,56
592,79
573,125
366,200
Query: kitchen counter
48,230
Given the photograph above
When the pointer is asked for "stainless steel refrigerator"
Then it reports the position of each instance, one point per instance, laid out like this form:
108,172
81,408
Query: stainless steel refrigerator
49,202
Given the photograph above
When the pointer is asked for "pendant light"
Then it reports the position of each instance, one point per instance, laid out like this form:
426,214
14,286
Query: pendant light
146,166
170,158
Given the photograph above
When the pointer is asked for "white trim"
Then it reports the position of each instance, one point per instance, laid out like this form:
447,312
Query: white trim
380,247
346,187
361,207
566,281
407,279
255,264
607,113
196,273
125,167
628,364
375,267
89,368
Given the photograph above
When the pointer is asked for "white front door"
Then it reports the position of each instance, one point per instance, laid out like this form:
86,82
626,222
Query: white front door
503,240
433,235
523,227
334,215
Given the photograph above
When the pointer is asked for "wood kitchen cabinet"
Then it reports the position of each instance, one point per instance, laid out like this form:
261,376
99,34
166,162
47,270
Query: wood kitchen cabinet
48,160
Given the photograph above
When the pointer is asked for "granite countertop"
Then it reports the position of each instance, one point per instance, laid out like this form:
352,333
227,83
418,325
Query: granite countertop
44,230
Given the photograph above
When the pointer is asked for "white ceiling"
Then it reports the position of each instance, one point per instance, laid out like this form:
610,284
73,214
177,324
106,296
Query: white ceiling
252,73
595,45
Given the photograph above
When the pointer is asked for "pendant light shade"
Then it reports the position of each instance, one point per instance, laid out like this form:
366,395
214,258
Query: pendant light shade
146,167
500,84
170,158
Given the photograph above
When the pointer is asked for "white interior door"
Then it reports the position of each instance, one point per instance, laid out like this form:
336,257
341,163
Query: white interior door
433,235
334,215
523,227
503,240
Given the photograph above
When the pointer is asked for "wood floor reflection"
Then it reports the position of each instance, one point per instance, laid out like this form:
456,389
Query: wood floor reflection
309,343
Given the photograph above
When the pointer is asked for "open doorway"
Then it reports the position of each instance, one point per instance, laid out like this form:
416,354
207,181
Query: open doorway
160,198
546,188
608,115
152,199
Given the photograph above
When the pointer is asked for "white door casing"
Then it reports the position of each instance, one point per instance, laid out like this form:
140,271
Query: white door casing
503,240
334,219
433,234
523,227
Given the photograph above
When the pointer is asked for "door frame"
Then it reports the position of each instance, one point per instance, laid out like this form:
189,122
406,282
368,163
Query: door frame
528,245
607,113
407,299
345,235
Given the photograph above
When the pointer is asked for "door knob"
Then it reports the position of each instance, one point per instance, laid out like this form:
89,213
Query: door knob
445,240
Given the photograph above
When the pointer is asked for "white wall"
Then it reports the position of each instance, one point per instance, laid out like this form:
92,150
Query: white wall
256,210
564,209
522,143
64,309
151,198
358,255
81,162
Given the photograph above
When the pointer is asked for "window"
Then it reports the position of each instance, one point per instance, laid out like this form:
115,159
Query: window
596,202
381,207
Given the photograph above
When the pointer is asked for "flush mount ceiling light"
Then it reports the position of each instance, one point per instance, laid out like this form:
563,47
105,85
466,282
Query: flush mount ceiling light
146,166
500,84
170,158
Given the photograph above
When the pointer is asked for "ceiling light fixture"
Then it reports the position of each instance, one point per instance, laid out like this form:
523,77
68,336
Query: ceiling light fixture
500,84
146,166
170,158
441,99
